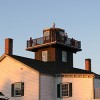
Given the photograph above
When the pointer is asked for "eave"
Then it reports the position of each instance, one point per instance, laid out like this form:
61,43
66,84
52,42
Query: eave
53,44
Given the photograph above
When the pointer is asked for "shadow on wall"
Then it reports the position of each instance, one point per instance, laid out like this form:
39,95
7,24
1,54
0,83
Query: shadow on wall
5,92
3,97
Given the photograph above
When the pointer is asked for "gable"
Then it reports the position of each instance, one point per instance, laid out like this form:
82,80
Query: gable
9,63
12,71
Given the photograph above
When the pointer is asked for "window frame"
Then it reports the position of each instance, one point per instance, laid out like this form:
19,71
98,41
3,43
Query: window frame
45,55
60,91
17,88
65,90
46,35
64,56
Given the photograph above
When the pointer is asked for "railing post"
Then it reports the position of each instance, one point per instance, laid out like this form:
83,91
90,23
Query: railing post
27,44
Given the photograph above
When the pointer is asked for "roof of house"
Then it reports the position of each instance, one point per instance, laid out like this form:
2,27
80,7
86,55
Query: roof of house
50,67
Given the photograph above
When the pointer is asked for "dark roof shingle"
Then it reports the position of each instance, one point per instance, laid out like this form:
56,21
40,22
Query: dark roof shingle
50,67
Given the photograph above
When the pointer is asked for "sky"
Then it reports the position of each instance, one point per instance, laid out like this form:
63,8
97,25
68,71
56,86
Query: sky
22,19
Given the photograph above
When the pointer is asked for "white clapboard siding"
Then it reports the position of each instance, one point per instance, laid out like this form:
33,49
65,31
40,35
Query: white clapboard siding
97,88
47,91
13,71
96,83
82,88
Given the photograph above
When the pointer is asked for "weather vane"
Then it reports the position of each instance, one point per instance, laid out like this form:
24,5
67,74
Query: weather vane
54,25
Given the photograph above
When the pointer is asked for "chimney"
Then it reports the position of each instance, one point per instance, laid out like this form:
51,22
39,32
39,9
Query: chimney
88,64
8,46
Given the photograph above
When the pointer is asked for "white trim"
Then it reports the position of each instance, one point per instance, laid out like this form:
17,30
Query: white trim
2,57
76,75
22,63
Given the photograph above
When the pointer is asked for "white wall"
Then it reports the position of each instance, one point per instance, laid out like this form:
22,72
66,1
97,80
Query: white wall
97,88
47,88
82,88
12,71
96,83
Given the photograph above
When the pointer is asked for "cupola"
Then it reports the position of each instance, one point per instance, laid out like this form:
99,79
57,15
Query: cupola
55,45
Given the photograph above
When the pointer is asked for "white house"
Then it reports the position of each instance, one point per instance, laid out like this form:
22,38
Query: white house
51,75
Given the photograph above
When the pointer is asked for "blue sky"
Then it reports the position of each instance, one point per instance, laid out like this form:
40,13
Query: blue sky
22,19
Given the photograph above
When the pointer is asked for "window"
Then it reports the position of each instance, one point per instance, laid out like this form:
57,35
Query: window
64,56
47,38
18,89
44,56
64,90
46,35
62,33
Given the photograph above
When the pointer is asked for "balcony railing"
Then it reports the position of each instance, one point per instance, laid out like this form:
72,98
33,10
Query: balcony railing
62,39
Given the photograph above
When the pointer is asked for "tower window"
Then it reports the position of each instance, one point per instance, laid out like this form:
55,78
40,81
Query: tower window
44,56
46,35
64,56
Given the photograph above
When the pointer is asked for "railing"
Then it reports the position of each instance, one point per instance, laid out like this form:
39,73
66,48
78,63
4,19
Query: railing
62,39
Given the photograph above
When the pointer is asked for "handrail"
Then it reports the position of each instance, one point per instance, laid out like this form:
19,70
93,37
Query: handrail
62,39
